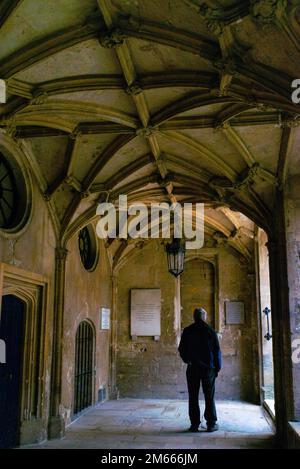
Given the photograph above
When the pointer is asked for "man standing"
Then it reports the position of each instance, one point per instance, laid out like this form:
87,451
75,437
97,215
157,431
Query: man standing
199,348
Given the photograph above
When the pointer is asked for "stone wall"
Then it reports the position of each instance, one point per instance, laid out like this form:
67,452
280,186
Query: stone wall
146,368
33,251
197,284
239,378
86,293
292,210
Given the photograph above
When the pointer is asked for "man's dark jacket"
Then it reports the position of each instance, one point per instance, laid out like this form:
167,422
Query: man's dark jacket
199,345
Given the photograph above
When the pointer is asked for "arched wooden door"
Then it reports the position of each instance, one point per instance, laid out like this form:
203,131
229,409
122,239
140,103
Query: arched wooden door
84,367
12,334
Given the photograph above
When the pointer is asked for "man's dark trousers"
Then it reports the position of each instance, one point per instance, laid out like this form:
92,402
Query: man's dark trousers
195,375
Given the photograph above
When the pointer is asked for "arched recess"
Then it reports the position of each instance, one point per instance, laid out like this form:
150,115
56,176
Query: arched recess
32,290
22,153
210,257
197,289
84,366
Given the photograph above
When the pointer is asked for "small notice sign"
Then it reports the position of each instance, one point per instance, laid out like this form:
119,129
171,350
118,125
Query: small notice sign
235,312
105,318
3,92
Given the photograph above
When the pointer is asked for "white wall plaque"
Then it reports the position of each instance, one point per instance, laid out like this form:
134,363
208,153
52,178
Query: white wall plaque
2,92
235,312
145,312
2,351
105,318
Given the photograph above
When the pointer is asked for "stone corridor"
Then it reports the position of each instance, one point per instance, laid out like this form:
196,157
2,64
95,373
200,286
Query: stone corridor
149,166
162,424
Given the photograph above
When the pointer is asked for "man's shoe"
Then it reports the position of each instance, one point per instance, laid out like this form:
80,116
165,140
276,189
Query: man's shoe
213,428
193,429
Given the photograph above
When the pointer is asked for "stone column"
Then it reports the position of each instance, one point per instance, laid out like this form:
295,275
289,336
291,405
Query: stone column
280,322
113,391
56,424
293,259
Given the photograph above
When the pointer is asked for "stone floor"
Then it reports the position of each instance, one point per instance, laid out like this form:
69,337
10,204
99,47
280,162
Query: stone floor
162,424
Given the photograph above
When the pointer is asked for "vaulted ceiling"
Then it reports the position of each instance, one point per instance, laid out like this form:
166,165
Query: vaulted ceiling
160,100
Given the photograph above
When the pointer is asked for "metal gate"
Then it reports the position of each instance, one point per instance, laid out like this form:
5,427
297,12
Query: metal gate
84,373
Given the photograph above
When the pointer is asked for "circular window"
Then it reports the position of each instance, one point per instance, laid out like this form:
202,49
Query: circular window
14,203
88,247
8,194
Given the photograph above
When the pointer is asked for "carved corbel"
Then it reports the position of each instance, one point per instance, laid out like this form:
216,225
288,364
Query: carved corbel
234,54
146,132
213,18
134,89
236,233
224,197
288,121
46,196
253,101
228,68
84,194
164,183
11,128
266,12
40,99
113,38
76,133
247,179
221,125
220,238
218,18
71,181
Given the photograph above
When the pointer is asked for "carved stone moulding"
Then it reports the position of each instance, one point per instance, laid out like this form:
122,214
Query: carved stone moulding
266,12
112,38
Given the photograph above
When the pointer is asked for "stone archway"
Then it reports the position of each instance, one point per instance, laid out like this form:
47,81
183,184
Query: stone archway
32,290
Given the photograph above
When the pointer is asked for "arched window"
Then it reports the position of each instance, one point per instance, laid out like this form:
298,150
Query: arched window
84,364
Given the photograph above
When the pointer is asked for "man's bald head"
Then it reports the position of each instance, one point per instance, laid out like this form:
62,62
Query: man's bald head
200,314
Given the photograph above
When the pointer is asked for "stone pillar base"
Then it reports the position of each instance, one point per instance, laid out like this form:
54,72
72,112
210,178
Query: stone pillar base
33,431
56,428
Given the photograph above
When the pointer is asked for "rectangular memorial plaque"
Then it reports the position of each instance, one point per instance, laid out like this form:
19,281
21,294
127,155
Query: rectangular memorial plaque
145,312
235,312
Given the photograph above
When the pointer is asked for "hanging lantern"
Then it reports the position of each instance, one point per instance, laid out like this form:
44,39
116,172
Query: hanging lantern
175,254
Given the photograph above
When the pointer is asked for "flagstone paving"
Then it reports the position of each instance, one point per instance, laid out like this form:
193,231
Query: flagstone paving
162,424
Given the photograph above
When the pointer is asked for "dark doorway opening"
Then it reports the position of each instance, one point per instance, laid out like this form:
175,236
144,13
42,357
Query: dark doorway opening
84,372
12,334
